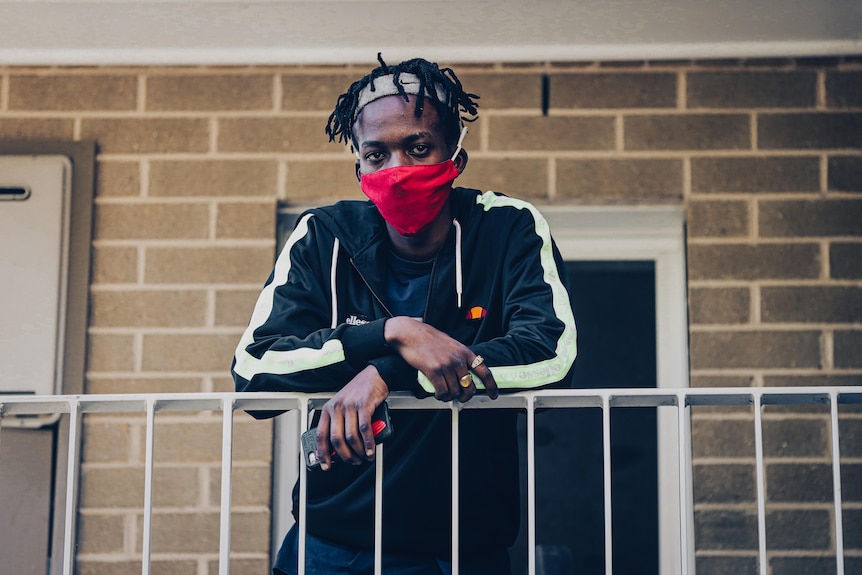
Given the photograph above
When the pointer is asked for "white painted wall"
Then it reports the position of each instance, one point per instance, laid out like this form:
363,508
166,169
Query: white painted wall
105,32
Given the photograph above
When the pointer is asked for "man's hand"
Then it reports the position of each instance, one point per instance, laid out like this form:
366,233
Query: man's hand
443,360
345,420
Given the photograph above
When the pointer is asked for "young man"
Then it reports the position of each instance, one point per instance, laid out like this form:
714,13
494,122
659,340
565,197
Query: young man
424,288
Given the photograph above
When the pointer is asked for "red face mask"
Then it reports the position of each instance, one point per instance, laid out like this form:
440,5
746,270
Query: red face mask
410,197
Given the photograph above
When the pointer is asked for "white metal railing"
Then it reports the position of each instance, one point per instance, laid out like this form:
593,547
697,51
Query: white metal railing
227,403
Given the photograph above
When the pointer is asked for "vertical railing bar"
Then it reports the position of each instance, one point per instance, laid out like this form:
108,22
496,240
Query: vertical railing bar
682,469
148,487
226,486
836,484
303,492
606,457
71,489
531,487
761,483
455,486
378,510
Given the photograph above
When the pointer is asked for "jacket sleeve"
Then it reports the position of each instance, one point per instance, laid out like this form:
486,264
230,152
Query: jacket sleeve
536,340
292,342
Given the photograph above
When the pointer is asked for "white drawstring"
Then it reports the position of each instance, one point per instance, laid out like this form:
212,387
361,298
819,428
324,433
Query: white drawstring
333,294
458,278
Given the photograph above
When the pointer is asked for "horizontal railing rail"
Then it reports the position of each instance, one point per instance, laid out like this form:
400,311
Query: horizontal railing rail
74,406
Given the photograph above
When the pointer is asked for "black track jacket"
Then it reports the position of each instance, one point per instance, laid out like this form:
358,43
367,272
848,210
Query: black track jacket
498,286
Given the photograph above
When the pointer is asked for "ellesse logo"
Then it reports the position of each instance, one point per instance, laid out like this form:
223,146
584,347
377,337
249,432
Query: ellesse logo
476,312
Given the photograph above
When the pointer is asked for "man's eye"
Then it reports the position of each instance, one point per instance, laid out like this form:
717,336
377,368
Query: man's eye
373,157
420,149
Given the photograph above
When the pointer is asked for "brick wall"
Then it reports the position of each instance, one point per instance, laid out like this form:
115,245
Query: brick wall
765,155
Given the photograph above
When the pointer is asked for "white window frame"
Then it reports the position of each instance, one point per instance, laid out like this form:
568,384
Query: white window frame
647,234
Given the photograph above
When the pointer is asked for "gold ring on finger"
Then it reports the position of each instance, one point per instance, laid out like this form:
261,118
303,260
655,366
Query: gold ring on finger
466,380
477,362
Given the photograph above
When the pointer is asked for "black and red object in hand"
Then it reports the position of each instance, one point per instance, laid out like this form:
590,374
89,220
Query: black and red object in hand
381,426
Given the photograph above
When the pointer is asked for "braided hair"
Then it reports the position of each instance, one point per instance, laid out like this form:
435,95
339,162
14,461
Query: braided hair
431,77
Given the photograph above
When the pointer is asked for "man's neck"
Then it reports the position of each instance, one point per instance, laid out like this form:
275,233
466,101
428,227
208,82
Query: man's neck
425,245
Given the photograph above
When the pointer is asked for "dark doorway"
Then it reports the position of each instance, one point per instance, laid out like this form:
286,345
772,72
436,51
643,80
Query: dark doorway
614,305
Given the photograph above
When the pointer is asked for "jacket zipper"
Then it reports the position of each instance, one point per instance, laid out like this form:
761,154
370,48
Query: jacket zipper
377,297
380,301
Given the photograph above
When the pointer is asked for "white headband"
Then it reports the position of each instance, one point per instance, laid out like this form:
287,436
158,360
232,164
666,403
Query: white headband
383,86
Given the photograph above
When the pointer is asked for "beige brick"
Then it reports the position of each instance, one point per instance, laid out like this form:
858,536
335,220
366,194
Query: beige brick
798,529
806,218
146,385
719,305
252,440
545,133
110,352
201,441
276,134
118,179
721,381
216,178
234,307
807,131
152,221
190,442
722,438
250,486
752,175
210,92
520,178
717,219
112,487
796,437
755,349
242,567
818,380
321,181
763,261
106,442
100,533
747,89
133,308
246,220
35,129
500,91
721,564
314,92
726,529
113,265
223,384
250,532
199,532
845,260
613,90
724,483
147,136
619,179
811,304
208,265
73,92
845,173
844,89
188,352
687,132
128,567
848,348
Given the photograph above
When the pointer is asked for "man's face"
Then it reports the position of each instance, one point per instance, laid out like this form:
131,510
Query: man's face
389,134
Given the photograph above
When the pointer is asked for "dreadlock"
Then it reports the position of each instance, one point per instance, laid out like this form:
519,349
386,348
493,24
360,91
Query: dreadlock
340,123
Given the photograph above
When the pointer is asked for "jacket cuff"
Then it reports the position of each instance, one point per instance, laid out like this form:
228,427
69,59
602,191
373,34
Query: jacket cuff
398,374
364,342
